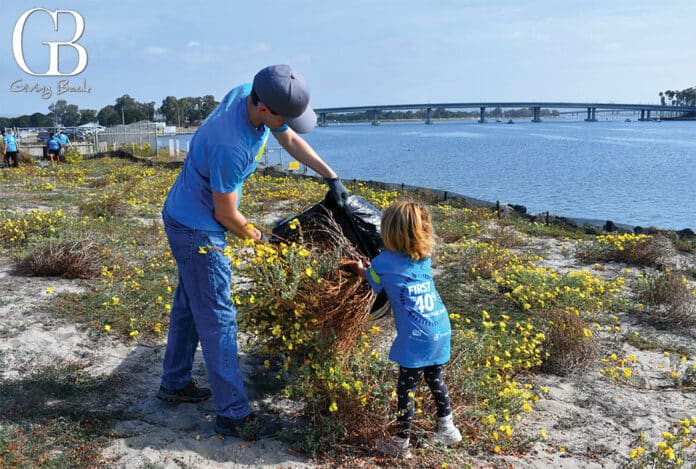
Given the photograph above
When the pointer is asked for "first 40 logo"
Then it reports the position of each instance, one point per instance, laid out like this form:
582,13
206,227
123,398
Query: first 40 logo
54,47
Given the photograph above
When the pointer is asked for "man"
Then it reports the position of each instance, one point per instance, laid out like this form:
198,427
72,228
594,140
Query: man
64,142
200,207
10,149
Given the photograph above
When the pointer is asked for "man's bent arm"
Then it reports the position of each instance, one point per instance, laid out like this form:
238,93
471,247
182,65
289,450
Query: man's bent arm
303,152
227,215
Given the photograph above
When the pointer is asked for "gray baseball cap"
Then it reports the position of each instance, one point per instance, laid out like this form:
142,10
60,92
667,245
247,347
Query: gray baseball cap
285,92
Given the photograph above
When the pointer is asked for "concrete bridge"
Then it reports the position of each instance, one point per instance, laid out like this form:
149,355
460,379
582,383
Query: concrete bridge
645,109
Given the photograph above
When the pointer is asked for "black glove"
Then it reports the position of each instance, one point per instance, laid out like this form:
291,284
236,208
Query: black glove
339,192
264,237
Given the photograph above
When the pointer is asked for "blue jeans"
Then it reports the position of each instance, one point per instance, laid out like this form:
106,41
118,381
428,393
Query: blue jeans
202,310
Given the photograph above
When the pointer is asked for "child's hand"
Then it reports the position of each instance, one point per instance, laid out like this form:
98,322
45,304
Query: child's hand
356,266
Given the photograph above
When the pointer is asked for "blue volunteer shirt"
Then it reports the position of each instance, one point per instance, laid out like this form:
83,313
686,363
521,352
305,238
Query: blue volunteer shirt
10,143
63,139
53,143
422,321
224,152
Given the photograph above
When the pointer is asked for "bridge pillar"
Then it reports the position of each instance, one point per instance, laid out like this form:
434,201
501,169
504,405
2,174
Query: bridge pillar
648,116
428,114
537,114
591,114
642,115
482,115
322,119
375,121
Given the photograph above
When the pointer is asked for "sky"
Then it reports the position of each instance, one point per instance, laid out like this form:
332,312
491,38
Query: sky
353,53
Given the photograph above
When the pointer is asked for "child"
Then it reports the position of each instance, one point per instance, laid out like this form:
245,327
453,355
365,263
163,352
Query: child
422,344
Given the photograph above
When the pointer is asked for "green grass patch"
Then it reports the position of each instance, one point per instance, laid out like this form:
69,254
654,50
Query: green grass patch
54,418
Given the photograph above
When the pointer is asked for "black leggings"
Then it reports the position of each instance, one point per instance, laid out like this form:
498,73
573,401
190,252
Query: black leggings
406,392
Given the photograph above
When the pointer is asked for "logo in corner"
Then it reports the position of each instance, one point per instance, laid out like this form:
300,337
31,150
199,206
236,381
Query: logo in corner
53,46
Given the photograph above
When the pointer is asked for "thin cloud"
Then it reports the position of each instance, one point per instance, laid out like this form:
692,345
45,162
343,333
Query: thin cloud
156,50
193,44
261,47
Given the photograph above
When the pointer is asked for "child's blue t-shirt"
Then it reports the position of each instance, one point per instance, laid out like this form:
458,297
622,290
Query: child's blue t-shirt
10,143
422,321
224,152
63,139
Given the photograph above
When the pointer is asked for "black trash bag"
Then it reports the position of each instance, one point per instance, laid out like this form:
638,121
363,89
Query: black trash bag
360,222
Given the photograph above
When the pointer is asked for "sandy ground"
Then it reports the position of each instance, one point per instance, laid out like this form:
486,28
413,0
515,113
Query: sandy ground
590,422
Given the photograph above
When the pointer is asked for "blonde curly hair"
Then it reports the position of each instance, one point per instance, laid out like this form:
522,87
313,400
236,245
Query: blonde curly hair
407,228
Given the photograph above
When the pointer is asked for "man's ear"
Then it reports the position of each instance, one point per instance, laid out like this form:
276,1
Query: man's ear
262,108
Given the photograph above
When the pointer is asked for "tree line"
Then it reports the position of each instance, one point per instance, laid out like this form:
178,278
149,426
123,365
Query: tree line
438,113
686,97
184,112
125,110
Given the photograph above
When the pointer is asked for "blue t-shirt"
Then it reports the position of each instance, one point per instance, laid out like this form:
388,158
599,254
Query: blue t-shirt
423,329
224,152
63,139
53,143
10,143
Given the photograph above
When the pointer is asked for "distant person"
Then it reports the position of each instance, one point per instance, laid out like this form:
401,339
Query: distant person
2,148
202,205
10,149
64,143
53,144
423,332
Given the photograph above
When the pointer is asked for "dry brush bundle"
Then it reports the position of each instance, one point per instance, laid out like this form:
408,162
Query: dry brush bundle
72,259
568,341
342,301
670,304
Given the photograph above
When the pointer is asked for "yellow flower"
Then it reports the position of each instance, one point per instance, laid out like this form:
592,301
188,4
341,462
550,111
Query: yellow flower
669,453
115,300
543,433
107,328
333,407
294,223
309,271
134,334
202,250
49,289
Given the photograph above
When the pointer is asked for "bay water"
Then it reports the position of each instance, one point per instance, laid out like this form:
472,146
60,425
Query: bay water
635,173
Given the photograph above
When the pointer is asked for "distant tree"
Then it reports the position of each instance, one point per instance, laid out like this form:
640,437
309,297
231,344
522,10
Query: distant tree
87,116
40,120
207,105
130,110
71,116
58,110
169,109
108,116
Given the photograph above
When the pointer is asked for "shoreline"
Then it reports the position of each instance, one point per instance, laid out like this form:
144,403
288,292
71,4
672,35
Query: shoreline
590,225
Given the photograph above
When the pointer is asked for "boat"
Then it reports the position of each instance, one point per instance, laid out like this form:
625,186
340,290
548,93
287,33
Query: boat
510,121
627,120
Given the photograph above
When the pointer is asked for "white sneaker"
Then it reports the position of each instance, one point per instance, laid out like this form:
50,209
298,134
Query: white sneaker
447,433
394,447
